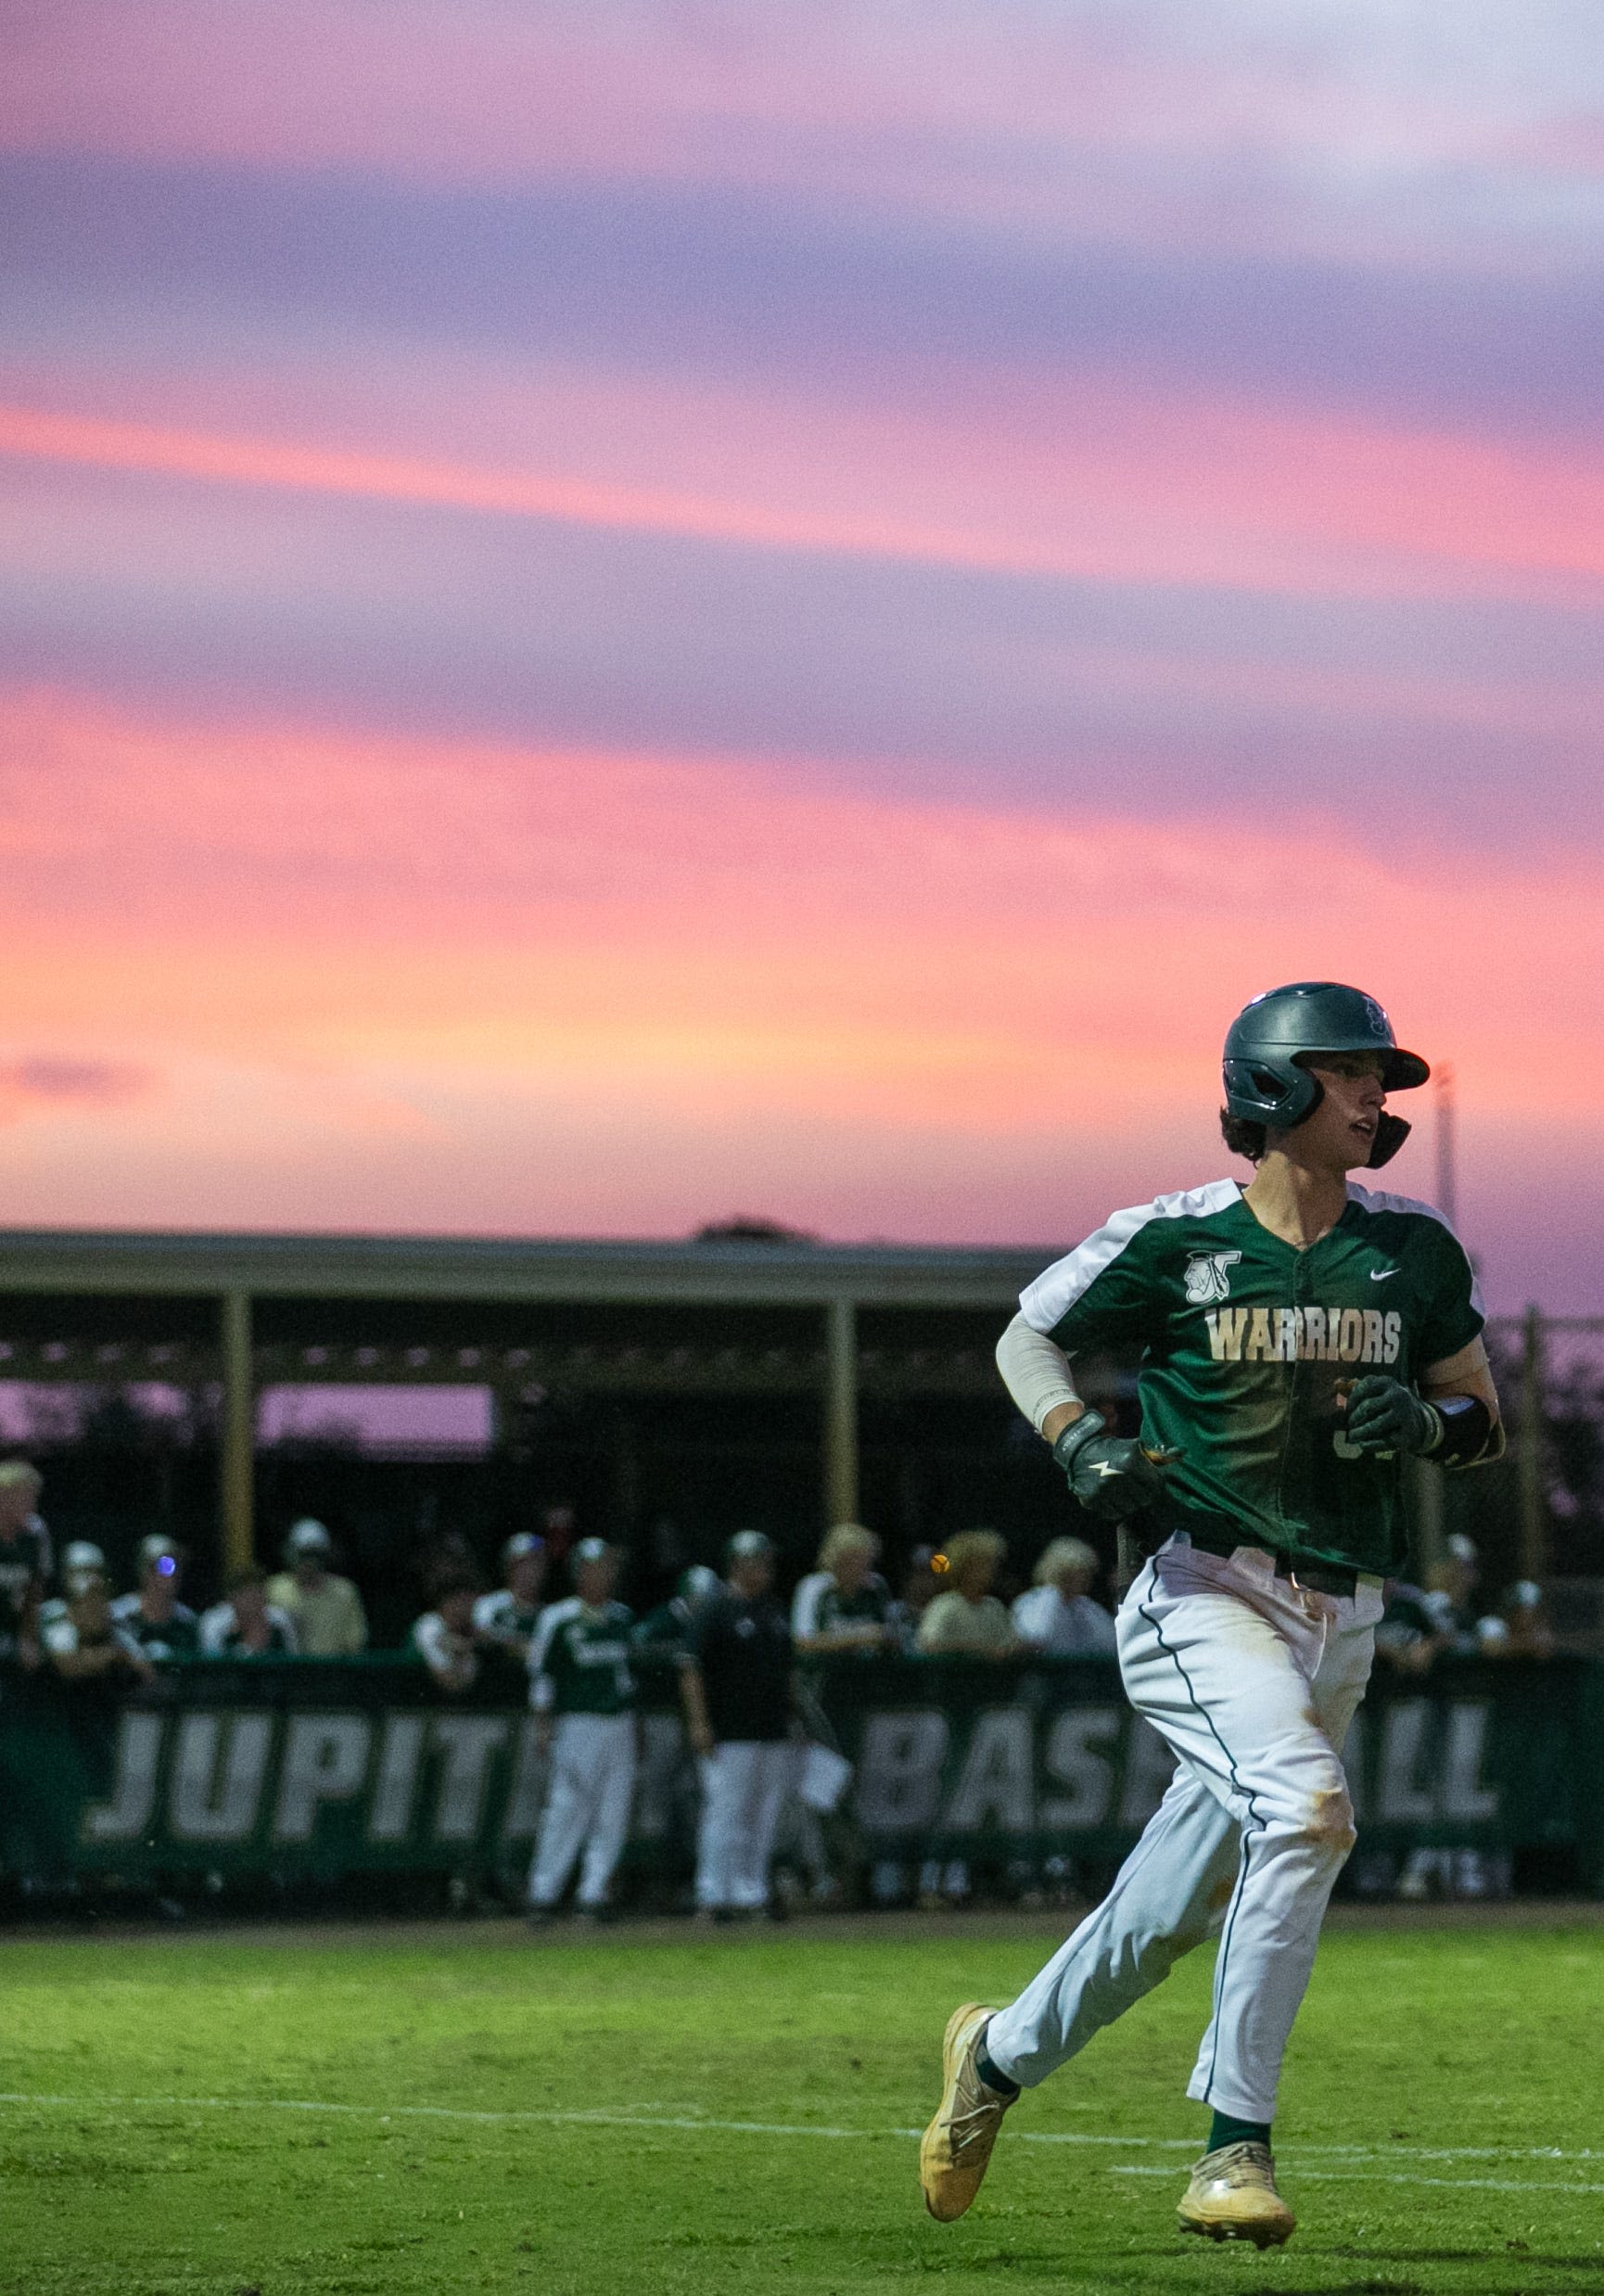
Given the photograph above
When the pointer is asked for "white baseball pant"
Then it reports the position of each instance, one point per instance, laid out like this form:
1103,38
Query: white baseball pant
587,1807
744,1783
1253,1681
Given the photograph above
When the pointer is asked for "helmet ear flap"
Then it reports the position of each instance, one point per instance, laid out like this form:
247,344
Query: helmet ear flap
1390,1134
1271,1089
1316,1094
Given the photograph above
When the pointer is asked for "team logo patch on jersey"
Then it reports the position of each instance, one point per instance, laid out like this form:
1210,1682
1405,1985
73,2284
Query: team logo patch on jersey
1208,1276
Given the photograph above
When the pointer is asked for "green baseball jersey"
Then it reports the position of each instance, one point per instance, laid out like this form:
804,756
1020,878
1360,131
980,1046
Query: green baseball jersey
662,1637
504,1617
1243,1339
178,1637
823,1607
579,1659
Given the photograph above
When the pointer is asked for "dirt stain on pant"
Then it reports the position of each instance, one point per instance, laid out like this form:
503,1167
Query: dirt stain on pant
1331,1818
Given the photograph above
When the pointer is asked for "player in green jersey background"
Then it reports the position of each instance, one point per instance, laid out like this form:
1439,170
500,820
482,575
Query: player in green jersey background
1300,1337
579,1677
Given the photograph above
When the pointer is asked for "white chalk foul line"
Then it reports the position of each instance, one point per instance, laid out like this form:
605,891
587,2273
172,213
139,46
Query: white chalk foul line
1369,2161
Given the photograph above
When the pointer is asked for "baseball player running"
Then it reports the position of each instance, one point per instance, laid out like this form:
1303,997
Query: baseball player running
1299,1338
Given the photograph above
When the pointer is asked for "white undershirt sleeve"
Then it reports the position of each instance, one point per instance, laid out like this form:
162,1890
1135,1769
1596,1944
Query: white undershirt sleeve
1035,1371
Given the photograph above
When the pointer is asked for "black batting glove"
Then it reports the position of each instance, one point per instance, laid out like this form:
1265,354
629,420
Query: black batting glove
1385,1417
1111,1476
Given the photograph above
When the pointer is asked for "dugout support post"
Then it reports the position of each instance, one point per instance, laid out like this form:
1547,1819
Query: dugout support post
1427,1493
236,1448
841,1411
1533,1512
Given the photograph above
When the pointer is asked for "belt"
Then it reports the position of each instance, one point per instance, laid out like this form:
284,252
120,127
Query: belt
1318,1577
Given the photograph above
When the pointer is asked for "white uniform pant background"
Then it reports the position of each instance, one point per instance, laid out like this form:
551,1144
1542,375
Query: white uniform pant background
1255,1682
744,1783
592,1785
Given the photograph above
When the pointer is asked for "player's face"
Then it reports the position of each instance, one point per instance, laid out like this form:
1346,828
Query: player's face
1341,1131
526,1574
594,1582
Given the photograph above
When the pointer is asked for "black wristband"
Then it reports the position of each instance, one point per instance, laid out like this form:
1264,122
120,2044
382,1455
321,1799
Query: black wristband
1080,1432
1467,1426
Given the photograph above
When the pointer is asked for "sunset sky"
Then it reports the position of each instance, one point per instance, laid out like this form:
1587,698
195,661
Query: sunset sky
617,614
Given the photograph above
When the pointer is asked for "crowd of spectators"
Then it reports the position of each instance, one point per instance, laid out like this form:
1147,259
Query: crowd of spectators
1446,1618
743,1668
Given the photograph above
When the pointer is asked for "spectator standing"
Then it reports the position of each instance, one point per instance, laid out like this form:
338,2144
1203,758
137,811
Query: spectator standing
84,1645
1520,1627
1409,1635
966,1620
507,1617
82,1564
247,1625
737,1685
326,1610
920,1585
1450,1585
445,1638
25,1560
842,1609
580,1679
159,1622
1058,1616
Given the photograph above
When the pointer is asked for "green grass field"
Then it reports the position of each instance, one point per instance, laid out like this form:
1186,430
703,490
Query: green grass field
466,2110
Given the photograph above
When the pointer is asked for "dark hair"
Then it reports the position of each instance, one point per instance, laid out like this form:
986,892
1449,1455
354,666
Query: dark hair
1242,1136
251,1575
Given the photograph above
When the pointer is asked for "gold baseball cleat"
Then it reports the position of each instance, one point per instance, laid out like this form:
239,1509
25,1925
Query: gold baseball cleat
1232,2196
956,2147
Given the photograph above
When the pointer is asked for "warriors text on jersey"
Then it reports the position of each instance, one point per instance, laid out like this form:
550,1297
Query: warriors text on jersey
1243,1341
579,1659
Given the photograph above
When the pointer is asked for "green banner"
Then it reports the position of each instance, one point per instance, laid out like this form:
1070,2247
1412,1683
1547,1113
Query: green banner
327,1768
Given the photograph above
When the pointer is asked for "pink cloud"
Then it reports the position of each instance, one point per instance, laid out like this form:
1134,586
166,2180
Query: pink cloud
590,991
1214,495
1043,117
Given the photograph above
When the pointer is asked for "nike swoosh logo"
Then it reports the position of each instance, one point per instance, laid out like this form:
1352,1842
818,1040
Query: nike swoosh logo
1380,1275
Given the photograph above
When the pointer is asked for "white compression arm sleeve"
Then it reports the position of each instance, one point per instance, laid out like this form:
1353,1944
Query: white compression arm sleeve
1035,1371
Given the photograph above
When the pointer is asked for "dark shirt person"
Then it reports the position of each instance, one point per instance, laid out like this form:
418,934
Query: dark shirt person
84,1646
508,1616
153,1616
247,1625
736,1681
448,1642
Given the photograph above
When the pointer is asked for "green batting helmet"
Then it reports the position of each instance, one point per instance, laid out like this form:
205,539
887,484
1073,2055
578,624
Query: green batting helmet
1272,1043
